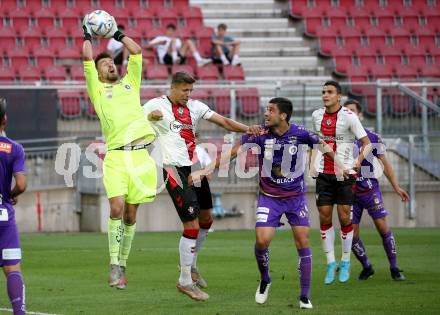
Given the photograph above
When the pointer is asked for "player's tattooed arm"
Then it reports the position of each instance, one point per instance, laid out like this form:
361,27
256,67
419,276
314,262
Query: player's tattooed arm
19,187
391,176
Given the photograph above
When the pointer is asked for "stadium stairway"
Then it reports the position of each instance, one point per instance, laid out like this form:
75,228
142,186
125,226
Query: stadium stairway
272,49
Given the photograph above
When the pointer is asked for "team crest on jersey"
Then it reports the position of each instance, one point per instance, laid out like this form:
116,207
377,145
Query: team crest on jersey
293,149
180,111
127,86
329,122
191,210
109,94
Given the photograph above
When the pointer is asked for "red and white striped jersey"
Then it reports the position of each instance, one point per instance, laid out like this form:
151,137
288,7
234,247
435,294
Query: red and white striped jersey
176,131
339,131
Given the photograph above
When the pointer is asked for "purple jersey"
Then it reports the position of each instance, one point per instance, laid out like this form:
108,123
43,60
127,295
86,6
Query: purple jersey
12,161
282,160
366,180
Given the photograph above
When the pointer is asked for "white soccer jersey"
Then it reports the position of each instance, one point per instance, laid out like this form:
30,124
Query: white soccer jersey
177,128
339,131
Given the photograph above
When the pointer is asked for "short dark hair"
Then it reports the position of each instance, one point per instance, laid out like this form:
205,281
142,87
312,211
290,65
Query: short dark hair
172,26
121,27
222,26
284,106
182,77
354,102
102,55
335,84
2,108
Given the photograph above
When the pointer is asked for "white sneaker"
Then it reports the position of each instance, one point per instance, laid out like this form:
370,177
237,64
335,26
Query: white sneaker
304,303
236,60
262,292
225,60
203,61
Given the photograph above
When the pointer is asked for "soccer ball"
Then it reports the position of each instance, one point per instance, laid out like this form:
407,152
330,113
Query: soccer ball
100,23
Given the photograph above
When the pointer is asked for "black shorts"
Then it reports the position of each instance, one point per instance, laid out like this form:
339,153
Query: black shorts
330,191
188,200
168,59
204,195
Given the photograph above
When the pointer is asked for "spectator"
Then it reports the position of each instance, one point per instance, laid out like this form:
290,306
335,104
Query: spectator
224,48
170,49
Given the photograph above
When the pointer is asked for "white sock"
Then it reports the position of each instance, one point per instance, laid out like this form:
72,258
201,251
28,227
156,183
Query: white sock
235,60
346,241
187,248
224,60
203,233
197,56
328,243
174,56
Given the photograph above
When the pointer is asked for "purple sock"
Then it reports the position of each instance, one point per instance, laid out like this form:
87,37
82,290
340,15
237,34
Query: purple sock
262,256
390,248
16,293
358,250
305,270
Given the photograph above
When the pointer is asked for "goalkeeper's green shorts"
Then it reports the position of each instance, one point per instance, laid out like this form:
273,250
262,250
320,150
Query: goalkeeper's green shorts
131,174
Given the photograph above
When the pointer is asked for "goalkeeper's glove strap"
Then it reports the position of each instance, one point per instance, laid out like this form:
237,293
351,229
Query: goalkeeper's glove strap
118,36
87,35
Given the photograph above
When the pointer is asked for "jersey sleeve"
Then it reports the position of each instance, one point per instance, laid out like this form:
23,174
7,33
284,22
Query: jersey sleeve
379,148
356,127
92,80
134,70
204,111
314,118
311,138
149,106
19,165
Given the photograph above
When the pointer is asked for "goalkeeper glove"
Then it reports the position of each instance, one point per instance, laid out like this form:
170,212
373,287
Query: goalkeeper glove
86,29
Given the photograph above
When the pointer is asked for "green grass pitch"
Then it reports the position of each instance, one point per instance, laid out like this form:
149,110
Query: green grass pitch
67,274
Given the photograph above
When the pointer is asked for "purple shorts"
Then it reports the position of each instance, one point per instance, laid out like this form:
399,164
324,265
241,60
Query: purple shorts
371,201
270,210
9,245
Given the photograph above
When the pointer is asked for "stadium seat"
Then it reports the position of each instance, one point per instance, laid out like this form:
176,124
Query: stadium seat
77,73
29,73
399,104
222,101
69,104
233,73
54,73
157,72
180,4
183,68
208,73
44,55
148,94
7,74
248,102
167,16
90,109
200,95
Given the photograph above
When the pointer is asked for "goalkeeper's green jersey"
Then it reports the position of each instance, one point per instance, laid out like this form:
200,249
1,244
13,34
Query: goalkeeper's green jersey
118,105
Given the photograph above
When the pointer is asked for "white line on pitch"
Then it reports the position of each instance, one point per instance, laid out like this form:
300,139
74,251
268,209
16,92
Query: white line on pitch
27,312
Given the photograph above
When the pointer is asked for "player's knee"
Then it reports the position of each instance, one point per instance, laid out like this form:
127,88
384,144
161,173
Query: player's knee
205,217
116,211
12,268
262,243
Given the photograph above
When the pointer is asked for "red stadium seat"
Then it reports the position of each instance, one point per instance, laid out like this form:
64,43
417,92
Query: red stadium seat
148,94
200,95
157,72
208,73
55,73
222,101
7,74
233,73
29,73
90,109
77,73
248,101
69,104
183,68
167,16
180,4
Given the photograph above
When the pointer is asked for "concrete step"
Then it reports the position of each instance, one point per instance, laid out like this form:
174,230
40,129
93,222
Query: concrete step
249,23
232,4
275,52
242,13
265,73
262,32
277,62
269,42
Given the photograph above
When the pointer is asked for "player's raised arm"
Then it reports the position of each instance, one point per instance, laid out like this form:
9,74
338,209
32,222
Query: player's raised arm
87,51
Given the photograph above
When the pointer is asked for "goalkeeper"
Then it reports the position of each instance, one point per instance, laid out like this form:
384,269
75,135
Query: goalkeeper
129,171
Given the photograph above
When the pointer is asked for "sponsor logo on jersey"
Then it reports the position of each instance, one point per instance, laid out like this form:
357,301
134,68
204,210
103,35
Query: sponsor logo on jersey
263,210
261,217
330,138
292,139
177,126
5,147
